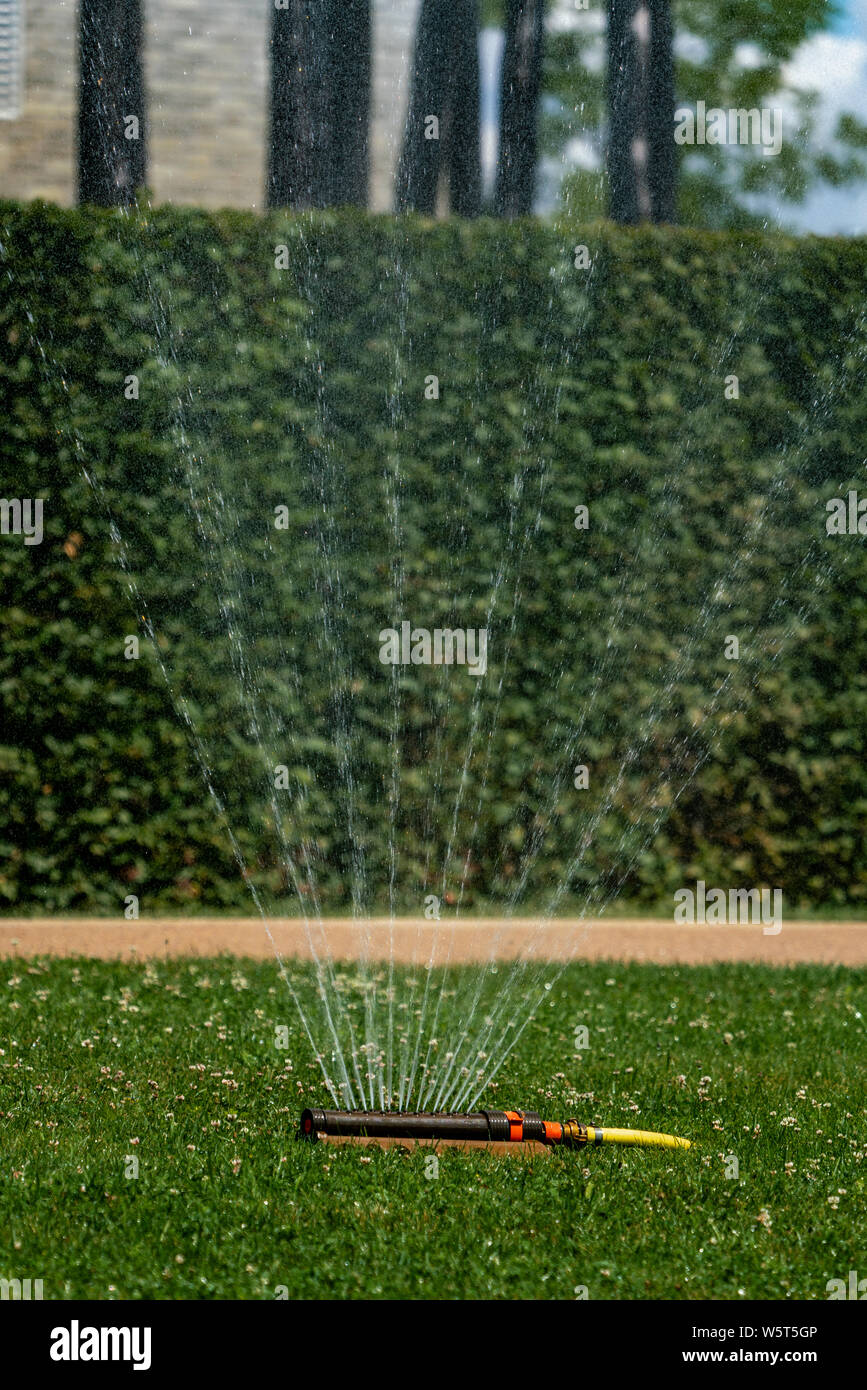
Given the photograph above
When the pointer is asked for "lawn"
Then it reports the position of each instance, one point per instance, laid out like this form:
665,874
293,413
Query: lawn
174,1064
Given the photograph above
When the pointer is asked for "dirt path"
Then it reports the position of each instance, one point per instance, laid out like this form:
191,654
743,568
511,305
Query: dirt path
415,941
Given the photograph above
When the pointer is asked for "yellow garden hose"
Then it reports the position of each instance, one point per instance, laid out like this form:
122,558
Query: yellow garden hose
578,1135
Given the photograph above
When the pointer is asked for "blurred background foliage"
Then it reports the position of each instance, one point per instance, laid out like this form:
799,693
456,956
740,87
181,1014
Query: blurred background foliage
729,54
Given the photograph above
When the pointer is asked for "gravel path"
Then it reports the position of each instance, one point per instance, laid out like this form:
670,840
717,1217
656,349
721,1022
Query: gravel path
415,941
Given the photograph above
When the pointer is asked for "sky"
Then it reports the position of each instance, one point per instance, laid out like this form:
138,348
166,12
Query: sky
835,65
848,21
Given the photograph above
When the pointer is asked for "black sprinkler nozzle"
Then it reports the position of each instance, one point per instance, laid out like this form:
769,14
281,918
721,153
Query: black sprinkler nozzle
484,1125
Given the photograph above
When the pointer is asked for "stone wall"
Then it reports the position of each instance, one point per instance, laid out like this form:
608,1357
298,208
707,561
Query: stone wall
206,68
37,149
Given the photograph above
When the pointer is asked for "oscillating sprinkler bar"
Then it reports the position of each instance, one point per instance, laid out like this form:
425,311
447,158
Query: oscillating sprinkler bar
486,1126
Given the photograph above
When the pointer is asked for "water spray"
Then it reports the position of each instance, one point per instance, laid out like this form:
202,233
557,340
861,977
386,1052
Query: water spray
482,1126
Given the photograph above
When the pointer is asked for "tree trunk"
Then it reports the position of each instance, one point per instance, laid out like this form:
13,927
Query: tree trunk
463,134
298,145
320,103
445,85
623,111
112,151
661,153
641,153
349,95
522,80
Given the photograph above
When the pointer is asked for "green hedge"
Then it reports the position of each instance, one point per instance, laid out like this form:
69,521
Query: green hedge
305,387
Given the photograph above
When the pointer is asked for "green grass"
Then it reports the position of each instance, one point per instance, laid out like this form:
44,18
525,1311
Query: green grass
102,1060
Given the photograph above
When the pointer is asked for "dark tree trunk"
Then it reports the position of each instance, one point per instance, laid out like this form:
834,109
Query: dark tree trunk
463,130
349,93
641,153
623,111
522,80
320,103
419,167
661,153
298,138
111,164
445,84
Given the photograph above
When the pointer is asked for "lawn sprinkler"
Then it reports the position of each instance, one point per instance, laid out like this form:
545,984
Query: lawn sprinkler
483,1126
